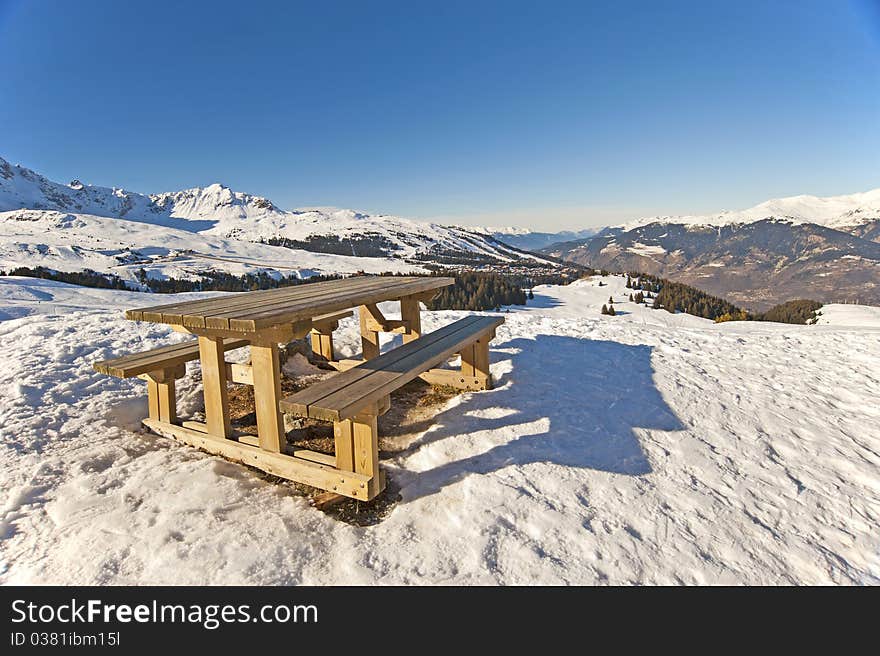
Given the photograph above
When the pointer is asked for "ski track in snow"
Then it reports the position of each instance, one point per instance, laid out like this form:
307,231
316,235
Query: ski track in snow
643,448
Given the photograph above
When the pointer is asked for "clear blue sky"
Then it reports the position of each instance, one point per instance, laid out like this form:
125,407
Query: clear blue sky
547,114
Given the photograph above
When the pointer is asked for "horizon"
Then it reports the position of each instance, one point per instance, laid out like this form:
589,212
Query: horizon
490,221
563,118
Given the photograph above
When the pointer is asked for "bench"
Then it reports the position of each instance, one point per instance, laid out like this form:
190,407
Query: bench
355,397
160,367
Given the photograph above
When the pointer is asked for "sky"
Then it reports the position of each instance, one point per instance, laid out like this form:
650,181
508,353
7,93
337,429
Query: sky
549,115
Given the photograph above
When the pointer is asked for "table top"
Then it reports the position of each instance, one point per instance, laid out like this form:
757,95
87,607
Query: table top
253,311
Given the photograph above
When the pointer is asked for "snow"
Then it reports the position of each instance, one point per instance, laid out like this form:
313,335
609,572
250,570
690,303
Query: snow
838,314
71,227
833,212
642,448
67,242
646,249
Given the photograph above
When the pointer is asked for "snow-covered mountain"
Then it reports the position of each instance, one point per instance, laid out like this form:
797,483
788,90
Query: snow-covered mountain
73,226
839,212
532,240
827,249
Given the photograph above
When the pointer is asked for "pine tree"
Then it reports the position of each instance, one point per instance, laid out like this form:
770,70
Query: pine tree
629,282
611,299
611,310
604,309
630,297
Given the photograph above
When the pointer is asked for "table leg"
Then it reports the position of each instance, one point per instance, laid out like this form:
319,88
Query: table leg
369,338
214,386
410,311
266,368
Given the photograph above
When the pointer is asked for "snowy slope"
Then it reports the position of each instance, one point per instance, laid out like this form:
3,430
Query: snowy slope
833,212
838,314
217,212
73,242
641,448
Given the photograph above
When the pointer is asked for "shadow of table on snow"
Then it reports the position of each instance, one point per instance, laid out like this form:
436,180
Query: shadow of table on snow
563,400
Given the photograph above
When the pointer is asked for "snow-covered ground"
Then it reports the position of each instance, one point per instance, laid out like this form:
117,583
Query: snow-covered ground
839,314
641,448
186,233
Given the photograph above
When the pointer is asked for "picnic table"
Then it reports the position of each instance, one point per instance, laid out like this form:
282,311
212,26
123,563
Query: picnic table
352,399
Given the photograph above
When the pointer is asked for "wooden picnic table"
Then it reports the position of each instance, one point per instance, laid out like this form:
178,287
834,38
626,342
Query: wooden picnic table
351,399
267,318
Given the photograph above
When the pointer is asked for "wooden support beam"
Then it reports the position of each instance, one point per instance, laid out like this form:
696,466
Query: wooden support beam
344,365
280,334
366,450
153,399
475,360
296,452
369,336
327,500
350,484
214,386
199,426
454,379
242,374
322,342
266,371
373,318
343,438
410,312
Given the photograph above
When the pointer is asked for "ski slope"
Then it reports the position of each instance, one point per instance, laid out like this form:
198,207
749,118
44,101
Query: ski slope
644,448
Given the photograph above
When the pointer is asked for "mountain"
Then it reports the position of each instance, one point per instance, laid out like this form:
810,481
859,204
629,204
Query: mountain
75,226
848,213
534,241
827,249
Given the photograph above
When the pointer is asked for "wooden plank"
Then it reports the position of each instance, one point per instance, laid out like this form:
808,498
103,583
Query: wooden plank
312,456
386,377
366,450
369,337
167,400
199,426
174,312
454,379
178,308
350,484
299,402
188,313
249,300
214,386
136,364
266,368
322,344
364,284
220,317
411,313
343,437
152,399
475,359
243,374
331,318
305,454
326,500
344,365
286,312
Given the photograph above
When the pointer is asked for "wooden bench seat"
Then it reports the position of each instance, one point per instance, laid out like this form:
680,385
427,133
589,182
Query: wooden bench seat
348,393
160,367
353,399
164,357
